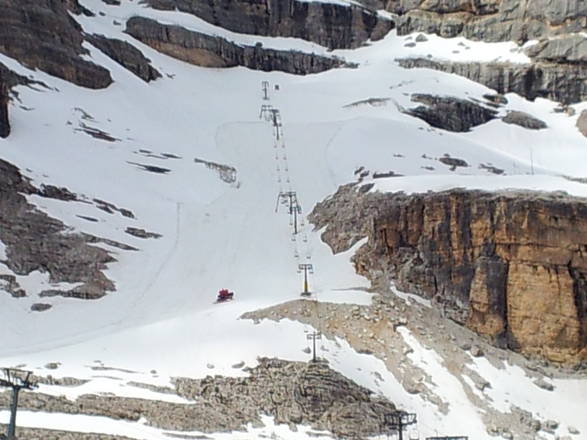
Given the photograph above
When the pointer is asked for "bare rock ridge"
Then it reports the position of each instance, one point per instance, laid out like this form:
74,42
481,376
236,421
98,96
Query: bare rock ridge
208,51
127,56
37,242
291,392
296,393
329,24
510,266
41,34
490,20
563,83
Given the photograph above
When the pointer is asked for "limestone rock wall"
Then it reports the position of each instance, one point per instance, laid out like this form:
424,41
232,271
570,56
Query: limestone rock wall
208,51
511,266
41,34
329,24
490,20
565,83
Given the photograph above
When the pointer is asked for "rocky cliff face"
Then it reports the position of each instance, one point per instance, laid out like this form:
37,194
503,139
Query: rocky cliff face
559,65
329,24
37,242
127,56
490,20
41,34
511,266
208,51
4,122
565,83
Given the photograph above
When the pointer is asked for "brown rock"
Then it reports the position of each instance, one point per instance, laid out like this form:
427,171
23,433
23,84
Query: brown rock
510,266
41,34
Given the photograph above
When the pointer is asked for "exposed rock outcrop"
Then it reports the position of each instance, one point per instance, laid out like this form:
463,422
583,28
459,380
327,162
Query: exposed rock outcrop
450,113
36,242
127,56
208,51
491,20
4,122
41,34
565,83
582,123
510,266
291,392
332,25
524,120
297,393
569,49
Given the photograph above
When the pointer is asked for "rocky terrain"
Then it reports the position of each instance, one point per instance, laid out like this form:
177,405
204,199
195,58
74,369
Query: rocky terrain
4,122
207,51
41,34
385,330
562,83
126,55
36,242
329,24
291,392
490,20
510,266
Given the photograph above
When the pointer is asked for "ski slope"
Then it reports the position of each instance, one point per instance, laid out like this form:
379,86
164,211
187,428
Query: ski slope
217,234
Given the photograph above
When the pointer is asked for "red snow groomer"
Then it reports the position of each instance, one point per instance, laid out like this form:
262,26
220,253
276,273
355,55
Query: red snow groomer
224,295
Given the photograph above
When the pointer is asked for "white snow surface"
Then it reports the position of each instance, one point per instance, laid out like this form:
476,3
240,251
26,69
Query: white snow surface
161,321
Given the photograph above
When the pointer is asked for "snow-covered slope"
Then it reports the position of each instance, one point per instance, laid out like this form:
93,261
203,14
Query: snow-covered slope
227,234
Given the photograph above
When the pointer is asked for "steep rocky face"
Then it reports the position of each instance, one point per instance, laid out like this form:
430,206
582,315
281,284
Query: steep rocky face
4,122
491,20
450,113
291,392
41,34
37,242
208,51
329,24
127,56
582,123
509,266
565,83
296,393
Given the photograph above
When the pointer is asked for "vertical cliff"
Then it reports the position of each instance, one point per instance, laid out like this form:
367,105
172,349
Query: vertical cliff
511,266
332,25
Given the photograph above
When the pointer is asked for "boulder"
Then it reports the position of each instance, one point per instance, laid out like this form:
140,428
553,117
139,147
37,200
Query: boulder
524,120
